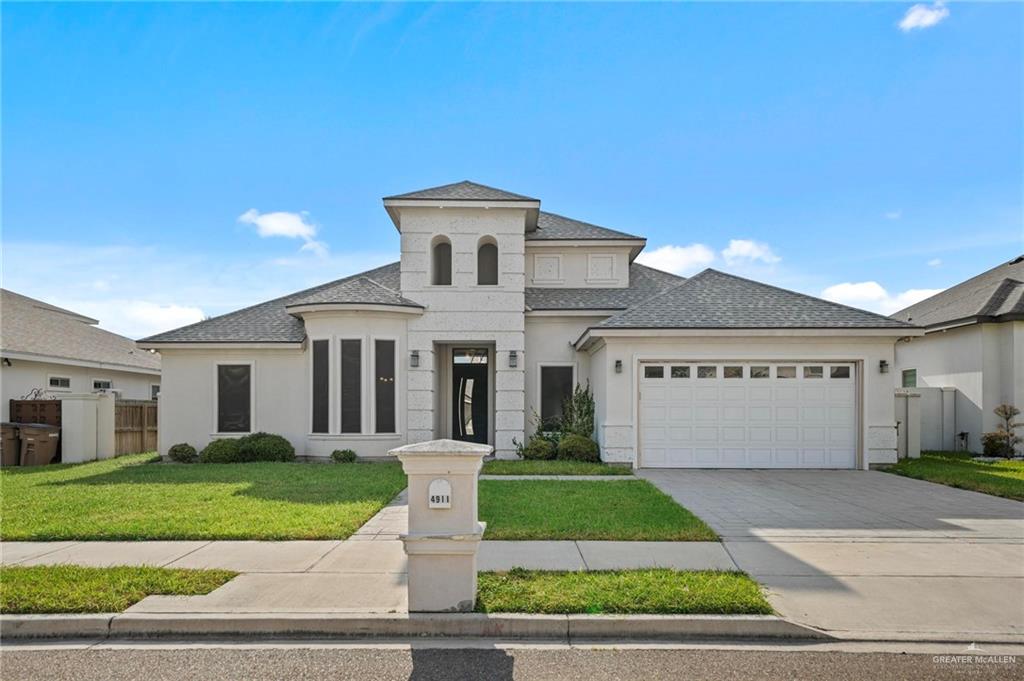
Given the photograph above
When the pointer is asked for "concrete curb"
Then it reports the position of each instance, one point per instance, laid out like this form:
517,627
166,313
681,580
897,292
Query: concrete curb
440,625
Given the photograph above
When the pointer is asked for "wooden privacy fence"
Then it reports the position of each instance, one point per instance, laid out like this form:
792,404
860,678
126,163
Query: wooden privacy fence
36,411
135,426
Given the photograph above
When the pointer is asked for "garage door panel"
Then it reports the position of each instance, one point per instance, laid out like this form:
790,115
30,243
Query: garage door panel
806,421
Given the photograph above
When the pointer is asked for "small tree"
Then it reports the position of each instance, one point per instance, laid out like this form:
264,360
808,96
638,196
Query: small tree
1004,432
578,412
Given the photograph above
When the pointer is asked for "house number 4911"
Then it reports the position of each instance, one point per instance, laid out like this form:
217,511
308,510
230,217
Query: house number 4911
439,494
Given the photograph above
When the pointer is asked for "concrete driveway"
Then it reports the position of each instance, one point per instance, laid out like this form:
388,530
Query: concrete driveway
865,554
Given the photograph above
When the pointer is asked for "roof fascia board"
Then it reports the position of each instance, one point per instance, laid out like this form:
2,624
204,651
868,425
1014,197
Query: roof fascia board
647,332
352,307
971,321
394,206
227,345
575,312
584,243
67,361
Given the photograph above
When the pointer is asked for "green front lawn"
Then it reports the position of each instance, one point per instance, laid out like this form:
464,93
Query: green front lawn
131,498
660,591
73,588
956,469
521,467
632,510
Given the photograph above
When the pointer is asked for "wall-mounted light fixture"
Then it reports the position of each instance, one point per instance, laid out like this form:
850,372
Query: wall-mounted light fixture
883,366
513,359
618,366
414,359
7,362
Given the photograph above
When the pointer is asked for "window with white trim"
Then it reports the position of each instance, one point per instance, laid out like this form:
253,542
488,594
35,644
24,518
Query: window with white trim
556,384
909,378
154,391
384,386
234,398
102,384
54,382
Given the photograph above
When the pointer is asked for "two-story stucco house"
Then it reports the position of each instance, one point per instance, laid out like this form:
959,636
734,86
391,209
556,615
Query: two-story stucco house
496,309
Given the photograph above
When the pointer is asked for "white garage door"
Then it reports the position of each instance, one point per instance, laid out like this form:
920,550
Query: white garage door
747,415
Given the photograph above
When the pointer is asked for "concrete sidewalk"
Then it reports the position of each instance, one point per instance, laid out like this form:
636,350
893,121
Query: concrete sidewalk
364,574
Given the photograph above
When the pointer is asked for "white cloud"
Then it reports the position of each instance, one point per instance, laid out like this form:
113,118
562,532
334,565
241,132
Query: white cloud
870,295
894,215
683,260
746,251
923,16
935,262
134,318
288,225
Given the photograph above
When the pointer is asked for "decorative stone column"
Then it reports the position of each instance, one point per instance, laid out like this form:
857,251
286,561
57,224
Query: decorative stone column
78,427
444,532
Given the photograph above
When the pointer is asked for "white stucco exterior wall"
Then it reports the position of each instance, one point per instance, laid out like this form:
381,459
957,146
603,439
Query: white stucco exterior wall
616,409
984,362
551,265
465,313
23,376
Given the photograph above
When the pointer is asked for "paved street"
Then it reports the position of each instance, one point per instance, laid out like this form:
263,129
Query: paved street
423,662
863,552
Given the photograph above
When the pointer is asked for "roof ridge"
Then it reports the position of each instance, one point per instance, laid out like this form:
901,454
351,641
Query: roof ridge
805,295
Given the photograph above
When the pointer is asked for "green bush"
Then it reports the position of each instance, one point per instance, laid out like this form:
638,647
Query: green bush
994,444
220,451
183,453
539,449
343,456
265,447
574,447
578,412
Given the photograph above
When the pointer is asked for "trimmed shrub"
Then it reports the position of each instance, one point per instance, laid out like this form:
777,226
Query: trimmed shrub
183,453
265,447
343,456
220,451
994,444
539,449
574,447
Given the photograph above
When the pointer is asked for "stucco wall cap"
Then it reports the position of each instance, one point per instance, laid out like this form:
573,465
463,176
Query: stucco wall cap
445,447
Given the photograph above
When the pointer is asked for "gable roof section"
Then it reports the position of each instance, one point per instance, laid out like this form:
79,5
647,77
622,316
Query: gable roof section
32,327
715,300
644,282
995,295
270,322
461,191
552,227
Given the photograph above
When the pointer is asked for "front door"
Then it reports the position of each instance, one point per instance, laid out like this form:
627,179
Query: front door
469,394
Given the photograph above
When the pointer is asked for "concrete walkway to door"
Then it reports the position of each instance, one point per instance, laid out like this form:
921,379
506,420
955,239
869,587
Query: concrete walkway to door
866,553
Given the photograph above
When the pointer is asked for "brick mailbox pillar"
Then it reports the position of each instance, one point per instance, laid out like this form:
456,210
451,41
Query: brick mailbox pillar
444,532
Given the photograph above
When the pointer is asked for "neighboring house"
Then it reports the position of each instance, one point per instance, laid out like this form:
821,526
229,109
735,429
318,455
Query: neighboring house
48,351
496,309
974,342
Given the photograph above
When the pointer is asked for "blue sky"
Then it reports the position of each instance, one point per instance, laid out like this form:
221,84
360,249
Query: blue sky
821,147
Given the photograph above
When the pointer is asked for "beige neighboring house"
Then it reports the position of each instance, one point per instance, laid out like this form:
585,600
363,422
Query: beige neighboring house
973,342
496,309
51,351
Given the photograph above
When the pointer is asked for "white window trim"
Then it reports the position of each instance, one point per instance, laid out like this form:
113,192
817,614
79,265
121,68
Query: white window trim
51,389
903,373
338,398
551,256
540,380
151,386
372,378
253,428
601,280
92,382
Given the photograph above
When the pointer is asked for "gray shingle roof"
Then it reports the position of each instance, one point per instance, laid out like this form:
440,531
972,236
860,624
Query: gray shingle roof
269,322
358,290
644,282
715,300
33,327
462,191
997,293
558,227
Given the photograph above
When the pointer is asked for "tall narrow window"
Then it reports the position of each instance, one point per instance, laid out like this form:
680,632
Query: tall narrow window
487,265
321,386
351,386
441,273
555,385
234,398
384,386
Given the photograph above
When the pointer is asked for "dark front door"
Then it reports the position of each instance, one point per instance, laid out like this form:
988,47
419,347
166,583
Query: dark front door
469,395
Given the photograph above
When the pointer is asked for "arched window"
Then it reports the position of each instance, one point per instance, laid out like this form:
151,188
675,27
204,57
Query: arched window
487,263
441,266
